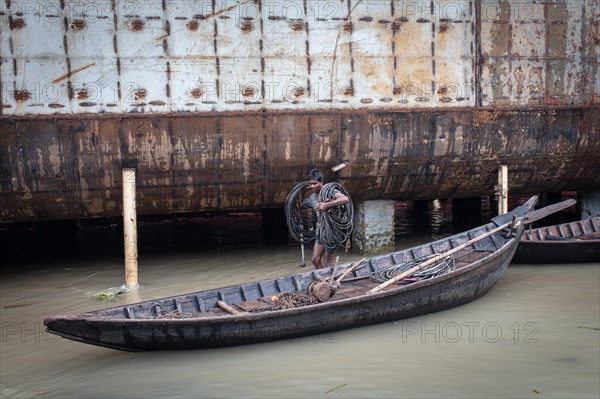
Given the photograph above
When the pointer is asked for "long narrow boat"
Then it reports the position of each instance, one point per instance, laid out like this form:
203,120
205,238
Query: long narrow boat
575,242
248,313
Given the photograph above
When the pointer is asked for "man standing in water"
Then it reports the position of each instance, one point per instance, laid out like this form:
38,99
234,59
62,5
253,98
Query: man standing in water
315,183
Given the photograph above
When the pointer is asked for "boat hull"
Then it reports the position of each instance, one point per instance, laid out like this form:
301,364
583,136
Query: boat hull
559,252
562,243
412,300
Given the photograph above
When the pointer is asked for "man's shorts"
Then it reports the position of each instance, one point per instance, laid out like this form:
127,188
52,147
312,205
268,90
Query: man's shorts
328,249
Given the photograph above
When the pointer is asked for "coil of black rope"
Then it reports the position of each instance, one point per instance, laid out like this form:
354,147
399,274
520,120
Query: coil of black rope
335,224
301,224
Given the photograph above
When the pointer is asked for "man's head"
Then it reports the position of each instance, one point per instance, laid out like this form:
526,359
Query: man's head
315,180
315,174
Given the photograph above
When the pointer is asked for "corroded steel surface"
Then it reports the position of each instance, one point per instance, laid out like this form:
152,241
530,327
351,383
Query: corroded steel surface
71,167
226,104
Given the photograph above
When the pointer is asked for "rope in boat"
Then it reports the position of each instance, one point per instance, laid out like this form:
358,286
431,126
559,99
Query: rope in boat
163,314
301,224
438,268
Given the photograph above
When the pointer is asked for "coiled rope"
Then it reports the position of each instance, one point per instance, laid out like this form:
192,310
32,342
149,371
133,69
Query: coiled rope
163,314
444,265
301,224
336,223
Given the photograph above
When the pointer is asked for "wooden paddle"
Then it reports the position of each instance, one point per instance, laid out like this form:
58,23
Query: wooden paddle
527,218
337,282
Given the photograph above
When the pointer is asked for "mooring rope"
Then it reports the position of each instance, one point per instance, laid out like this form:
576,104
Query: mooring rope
444,265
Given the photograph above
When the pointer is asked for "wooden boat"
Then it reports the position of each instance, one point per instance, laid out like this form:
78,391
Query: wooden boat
245,313
575,242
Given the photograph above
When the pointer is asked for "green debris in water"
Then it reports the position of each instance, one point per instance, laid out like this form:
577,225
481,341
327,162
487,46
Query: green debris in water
336,388
589,328
105,296
112,293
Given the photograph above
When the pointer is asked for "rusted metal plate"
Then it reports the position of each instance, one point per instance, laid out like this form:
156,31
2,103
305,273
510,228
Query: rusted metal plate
156,56
71,167
170,56
226,105
537,53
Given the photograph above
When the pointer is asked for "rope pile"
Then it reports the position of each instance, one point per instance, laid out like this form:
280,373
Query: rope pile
444,265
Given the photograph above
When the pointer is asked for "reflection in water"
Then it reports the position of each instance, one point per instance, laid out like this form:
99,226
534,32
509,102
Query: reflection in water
536,334
440,225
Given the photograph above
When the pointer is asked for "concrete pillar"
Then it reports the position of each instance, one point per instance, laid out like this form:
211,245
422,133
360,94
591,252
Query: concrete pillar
374,227
589,203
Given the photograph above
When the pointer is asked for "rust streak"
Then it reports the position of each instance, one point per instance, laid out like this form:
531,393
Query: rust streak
17,23
348,29
67,75
193,25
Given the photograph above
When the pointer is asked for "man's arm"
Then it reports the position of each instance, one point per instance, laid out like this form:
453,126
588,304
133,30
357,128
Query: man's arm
340,199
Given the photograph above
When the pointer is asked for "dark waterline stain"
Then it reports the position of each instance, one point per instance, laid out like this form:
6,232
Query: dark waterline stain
94,239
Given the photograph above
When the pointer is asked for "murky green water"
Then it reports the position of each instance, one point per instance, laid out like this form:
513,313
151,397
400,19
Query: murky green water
535,335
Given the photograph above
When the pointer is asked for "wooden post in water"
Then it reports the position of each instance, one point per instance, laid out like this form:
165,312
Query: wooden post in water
130,228
502,190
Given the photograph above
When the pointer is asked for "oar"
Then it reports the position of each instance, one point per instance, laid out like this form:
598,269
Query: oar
337,282
527,218
330,278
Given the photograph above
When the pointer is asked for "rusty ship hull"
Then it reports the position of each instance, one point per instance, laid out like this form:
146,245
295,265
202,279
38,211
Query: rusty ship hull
226,105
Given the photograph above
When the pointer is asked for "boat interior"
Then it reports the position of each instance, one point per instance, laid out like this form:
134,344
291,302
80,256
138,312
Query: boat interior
261,296
588,229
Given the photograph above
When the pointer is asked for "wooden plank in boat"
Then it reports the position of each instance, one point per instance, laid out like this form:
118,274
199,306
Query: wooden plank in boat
267,299
204,314
250,306
589,236
350,292
470,257
366,283
217,312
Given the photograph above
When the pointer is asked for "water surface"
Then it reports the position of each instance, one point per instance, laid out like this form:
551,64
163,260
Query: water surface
536,334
